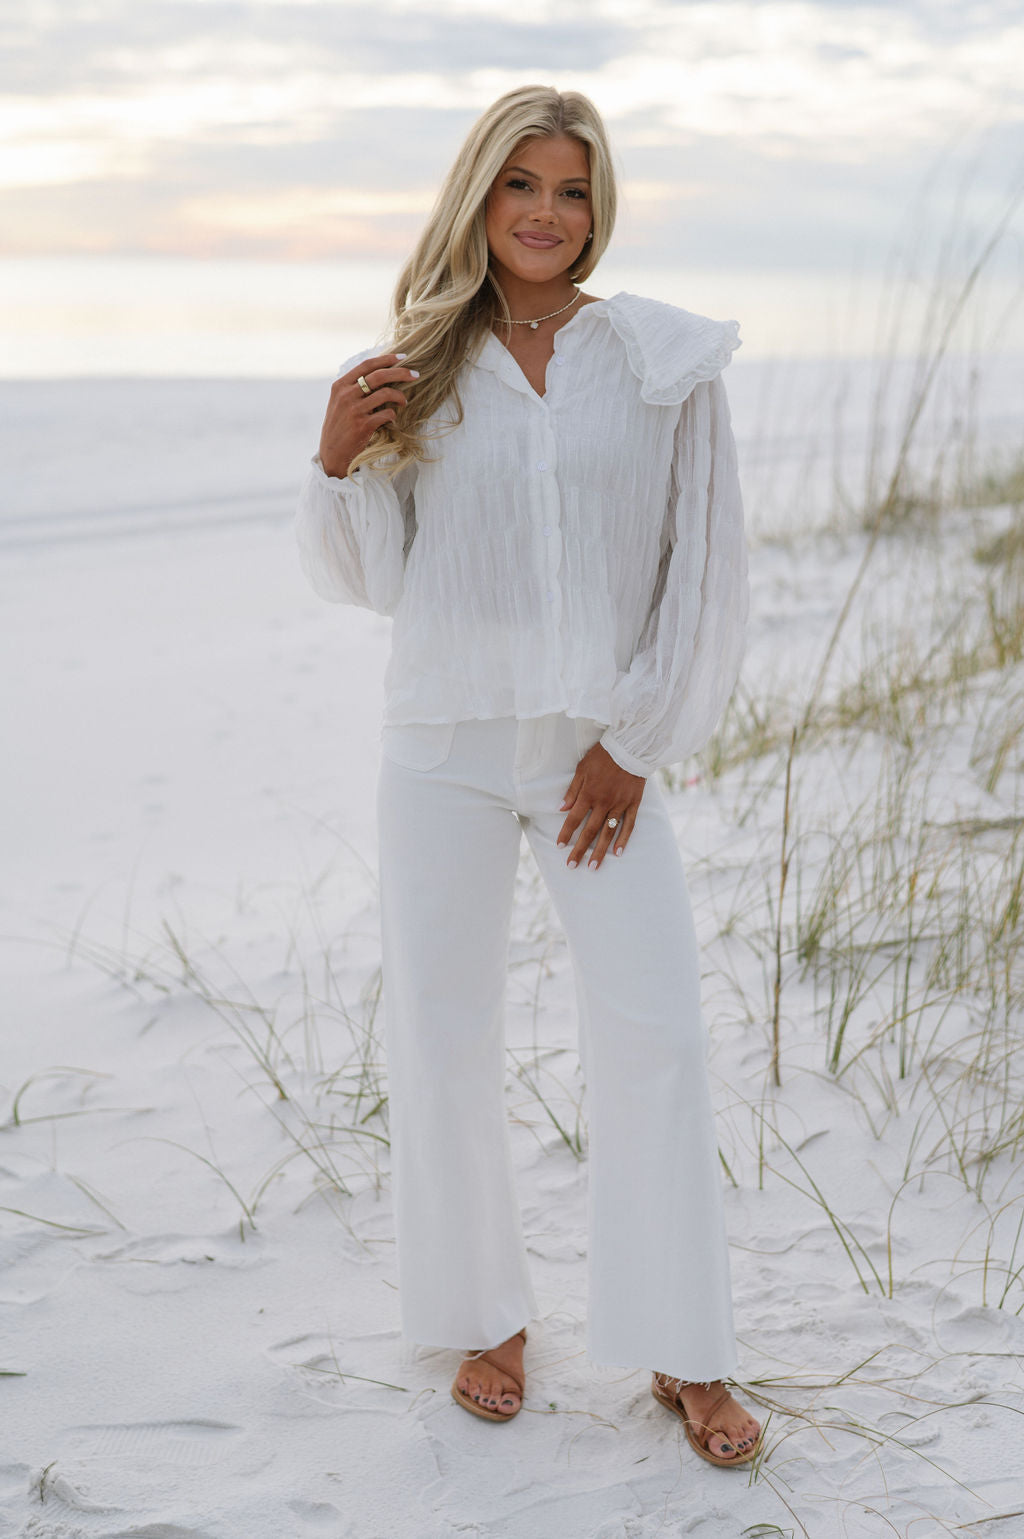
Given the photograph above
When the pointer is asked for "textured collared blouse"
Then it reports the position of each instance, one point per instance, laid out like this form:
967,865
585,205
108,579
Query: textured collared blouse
580,551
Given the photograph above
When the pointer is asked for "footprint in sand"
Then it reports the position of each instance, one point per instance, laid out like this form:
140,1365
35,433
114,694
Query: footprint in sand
192,1443
317,1514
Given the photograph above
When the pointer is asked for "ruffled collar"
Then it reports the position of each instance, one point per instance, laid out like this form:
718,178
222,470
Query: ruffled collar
670,350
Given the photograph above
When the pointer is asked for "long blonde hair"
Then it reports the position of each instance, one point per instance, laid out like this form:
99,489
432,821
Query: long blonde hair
445,298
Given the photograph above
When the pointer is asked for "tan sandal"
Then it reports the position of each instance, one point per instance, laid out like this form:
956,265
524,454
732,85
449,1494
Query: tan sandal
479,1410
694,1429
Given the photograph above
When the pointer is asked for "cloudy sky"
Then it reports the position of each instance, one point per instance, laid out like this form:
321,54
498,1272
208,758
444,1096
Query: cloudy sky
782,136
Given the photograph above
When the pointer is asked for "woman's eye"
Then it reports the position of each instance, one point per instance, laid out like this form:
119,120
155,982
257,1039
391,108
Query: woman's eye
575,192
517,182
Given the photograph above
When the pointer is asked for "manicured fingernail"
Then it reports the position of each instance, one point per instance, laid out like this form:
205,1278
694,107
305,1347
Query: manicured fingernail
564,805
400,356
573,864
415,373
620,849
593,865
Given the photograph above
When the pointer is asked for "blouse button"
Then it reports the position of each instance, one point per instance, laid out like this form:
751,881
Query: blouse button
547,529
559,360
542,464
551,597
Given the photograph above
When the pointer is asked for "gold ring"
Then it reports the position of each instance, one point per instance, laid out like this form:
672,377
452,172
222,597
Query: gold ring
613,822
364,387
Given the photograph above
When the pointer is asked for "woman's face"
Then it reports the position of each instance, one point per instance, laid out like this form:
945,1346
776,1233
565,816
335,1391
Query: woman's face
538,212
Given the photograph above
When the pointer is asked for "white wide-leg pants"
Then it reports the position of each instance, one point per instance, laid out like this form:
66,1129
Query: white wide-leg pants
453,800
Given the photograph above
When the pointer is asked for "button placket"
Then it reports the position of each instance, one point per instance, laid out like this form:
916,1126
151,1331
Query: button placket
551,534
550,521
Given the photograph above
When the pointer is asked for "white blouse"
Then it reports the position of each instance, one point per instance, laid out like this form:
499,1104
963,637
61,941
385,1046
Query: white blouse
580,551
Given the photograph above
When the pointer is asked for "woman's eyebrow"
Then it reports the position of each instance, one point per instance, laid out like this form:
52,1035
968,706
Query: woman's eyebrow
537,178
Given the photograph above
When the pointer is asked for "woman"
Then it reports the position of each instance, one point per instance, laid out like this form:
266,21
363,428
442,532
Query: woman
540,487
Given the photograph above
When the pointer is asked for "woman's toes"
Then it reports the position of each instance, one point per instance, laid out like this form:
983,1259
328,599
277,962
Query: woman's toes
489,1393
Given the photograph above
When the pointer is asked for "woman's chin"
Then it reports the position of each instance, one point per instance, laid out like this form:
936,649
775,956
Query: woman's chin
544,270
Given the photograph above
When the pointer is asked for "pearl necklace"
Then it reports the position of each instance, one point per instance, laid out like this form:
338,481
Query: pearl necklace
534,324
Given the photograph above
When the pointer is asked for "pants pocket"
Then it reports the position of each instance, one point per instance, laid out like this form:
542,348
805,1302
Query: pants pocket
588,732
418,745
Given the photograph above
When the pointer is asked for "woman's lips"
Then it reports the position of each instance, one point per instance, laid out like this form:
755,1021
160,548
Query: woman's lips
540,242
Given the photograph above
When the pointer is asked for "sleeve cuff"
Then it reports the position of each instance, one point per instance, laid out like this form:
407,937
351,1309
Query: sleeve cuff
318,466
624,759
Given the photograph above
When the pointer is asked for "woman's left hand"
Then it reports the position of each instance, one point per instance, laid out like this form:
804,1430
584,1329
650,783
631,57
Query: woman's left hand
599,790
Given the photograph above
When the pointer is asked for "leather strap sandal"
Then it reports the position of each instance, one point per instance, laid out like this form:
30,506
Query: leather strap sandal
481,1410
698,1433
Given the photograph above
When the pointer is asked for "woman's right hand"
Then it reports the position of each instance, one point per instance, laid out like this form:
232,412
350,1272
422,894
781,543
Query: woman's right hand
353,416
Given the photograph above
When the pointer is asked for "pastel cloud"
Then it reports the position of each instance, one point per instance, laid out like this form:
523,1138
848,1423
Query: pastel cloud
304,129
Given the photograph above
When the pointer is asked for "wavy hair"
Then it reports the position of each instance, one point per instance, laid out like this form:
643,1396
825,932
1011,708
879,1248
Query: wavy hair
446,298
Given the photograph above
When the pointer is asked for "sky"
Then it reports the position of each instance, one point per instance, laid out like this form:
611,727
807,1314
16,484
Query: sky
305,129
795,138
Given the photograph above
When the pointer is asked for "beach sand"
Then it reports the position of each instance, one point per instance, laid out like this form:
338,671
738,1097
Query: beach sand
198,1293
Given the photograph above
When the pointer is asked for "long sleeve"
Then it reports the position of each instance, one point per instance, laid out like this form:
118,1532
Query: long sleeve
354,533
666,705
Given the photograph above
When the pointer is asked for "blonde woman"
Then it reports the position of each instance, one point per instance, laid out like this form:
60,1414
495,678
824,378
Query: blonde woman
540,486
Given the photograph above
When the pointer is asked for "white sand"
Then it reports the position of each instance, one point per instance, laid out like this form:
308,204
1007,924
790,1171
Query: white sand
190,763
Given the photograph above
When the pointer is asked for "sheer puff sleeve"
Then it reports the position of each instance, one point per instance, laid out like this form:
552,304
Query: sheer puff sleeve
687,660
354,532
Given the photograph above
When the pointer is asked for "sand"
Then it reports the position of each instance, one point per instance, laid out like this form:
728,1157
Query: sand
200,1319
